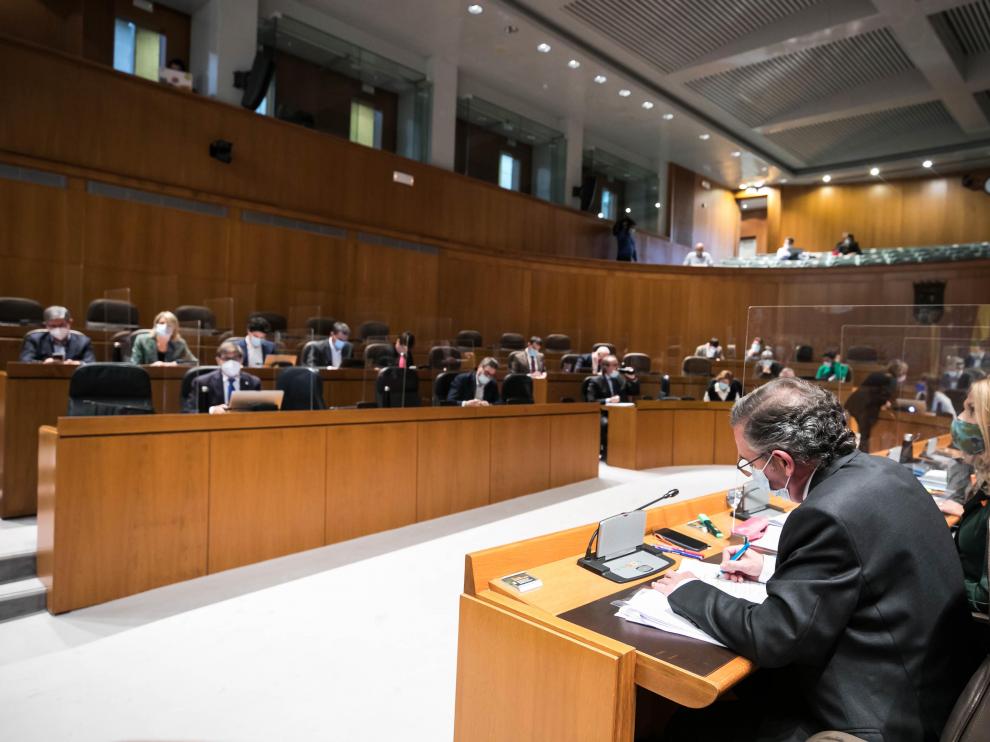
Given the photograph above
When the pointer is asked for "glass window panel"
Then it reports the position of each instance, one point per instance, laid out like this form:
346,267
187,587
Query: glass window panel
148,48
608,203
509,169
366,125
123,46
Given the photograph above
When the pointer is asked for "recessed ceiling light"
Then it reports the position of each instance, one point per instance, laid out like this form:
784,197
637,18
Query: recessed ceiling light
601,214
647,104
475,9
927,163
628,210
743,186
736,153
574,64
543,48
668,116
600,79
656,205
874,171
625,93
826,178
704,137
745,206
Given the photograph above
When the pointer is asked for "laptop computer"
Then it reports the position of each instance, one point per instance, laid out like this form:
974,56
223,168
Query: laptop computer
247,401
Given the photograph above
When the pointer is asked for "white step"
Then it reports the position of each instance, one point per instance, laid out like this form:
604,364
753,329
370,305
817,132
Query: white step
21,598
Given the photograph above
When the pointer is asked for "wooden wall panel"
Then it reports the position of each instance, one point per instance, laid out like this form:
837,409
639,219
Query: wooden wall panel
694,437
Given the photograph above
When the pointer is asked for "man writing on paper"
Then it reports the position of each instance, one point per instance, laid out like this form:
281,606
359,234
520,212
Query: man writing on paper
865,627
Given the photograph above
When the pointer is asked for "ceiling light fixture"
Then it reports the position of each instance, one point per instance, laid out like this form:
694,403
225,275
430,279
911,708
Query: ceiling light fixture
574,64
601,214
647,104
704,137
668,116
874,171
783,180
656,205
475,9
600,79
628,210
743,186
625,93
745,206
543,48
736,153
826,178
927,164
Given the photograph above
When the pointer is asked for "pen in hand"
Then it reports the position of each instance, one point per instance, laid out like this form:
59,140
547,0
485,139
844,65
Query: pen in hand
735,557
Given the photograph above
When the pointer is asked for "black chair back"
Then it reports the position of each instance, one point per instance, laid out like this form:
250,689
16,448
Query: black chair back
639,362
373,330
585,385
468,340
187,382
277,321
863,353
303,388
378,355
696,366
320,326
511,341
804,353
557,343
306,350
517,389
196,316
110,389
111,313
15,310
397,387
568,362
444,358
441,387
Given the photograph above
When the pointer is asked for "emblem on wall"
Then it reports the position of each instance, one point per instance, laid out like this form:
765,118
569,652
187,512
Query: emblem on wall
929,298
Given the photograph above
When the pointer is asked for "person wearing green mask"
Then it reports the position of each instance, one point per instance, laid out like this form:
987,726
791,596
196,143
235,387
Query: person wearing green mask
970,479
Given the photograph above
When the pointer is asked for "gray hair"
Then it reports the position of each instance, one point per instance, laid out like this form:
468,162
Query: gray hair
56,312
228,346
795,416
341,327
489,362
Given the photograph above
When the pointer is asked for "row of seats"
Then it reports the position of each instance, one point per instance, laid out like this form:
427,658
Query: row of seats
870,256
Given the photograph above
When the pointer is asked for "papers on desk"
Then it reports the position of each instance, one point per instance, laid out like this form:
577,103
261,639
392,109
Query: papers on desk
650,607
935,480
620,404
769,542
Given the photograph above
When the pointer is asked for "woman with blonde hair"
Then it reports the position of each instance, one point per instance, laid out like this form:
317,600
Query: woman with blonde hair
969,484
723,388
163,345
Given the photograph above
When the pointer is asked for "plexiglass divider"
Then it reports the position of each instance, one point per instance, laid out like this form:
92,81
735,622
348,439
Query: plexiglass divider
112,321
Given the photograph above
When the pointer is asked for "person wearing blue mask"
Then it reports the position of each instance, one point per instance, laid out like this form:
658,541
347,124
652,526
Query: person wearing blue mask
969,486
332,352
530,360
219,385
865,628
255,347
477,388
610,387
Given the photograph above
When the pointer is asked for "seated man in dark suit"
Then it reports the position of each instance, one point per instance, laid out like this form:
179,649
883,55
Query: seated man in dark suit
610,387
220,384
58,342
592,361
332,352
476,388
530,360
254,346
977,358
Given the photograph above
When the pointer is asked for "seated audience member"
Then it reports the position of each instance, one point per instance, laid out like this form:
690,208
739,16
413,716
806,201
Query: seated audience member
977,358
254,346
876,392
853,620
723,388
530,360
969,491
767,367
698,257
788,251
478,388
955,376
755,348
222,382
936,400
787,373
610,387
847,245
163,346
59,344
592,361
832,368
401,352
711,350
333,351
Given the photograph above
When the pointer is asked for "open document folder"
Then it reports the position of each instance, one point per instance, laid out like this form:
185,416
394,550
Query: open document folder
650,607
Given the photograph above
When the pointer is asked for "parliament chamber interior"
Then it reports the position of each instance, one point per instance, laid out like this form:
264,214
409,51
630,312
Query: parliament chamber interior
552,370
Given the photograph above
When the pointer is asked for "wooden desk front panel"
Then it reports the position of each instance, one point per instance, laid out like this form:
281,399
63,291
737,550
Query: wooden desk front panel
694,436
267,495
574,442
520,457
454,465
133,516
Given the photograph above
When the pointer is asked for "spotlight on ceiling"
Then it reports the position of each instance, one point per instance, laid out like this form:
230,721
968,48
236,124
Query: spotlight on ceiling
704,137
647,104
743,186
625,93
874,171
475,9
628,210
927,164
668,116
826,178
574,64
656,205
758,184
600,79
543,48
736,153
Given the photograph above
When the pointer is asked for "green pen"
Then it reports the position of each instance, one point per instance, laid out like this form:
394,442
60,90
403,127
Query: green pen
707,523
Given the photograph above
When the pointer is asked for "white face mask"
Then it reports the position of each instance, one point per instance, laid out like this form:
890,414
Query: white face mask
763,483
902,379
231,369
59,333
723,386
484,379
255,341
163,330
613,375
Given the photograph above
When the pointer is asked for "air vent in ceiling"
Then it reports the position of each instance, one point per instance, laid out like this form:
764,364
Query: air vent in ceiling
966,27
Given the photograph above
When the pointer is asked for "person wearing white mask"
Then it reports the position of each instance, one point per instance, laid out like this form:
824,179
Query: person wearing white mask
218,385
477,388
610,387
58,342
875,393
724,388
254,345
163,345
755,349
332,352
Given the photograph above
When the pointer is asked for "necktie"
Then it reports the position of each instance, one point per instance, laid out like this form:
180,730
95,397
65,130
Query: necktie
230,389
402,360
532,363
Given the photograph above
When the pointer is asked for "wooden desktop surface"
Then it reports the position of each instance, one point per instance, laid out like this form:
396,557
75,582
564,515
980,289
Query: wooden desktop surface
130,503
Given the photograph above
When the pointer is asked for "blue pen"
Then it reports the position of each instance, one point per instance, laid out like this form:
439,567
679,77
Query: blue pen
681,553
735,557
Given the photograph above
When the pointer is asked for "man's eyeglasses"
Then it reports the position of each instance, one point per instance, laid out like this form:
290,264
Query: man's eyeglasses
746,467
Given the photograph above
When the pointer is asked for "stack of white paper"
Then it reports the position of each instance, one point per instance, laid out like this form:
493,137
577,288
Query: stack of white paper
769,542
934,480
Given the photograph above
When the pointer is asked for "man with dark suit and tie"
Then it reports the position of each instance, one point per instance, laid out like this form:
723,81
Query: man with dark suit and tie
219,385
476,388
866,628
255,348
530,360
332,352
609,387
58,342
